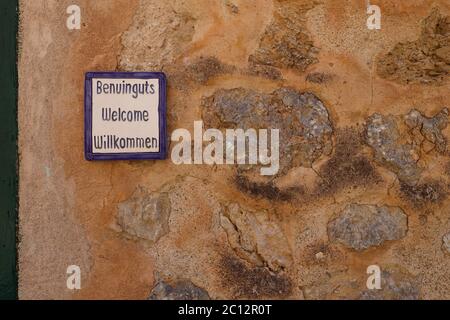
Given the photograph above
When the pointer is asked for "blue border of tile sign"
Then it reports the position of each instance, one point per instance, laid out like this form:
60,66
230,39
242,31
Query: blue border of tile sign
89,155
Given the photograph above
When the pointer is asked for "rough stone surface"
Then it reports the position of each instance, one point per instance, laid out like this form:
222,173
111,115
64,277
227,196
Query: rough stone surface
265,71
429,129
256,238
286,42
145,216
400,150
426,60
363,226
384,137
182,290
159,34
303,120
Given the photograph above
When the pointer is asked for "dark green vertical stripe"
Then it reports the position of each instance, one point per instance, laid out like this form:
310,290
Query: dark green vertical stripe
8,148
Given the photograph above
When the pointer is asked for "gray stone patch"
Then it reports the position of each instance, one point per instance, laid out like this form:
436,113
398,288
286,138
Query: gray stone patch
303,120
383,136
429,128
145,216
256,237
181,290
362,226
158,36
424,61
400,150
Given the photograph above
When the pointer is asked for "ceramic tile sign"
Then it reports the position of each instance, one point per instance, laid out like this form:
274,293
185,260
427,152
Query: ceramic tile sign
125,115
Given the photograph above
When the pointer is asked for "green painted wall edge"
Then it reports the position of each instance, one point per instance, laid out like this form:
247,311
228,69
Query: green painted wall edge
8,145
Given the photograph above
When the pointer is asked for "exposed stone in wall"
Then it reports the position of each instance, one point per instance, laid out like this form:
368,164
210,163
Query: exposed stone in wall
158,35
286,42
384,137
394,286
363,226
303,120
426,60
144,216
428,129
256,237
400,150
181,290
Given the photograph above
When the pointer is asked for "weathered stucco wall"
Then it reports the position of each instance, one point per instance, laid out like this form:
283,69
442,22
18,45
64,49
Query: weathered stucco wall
364,174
